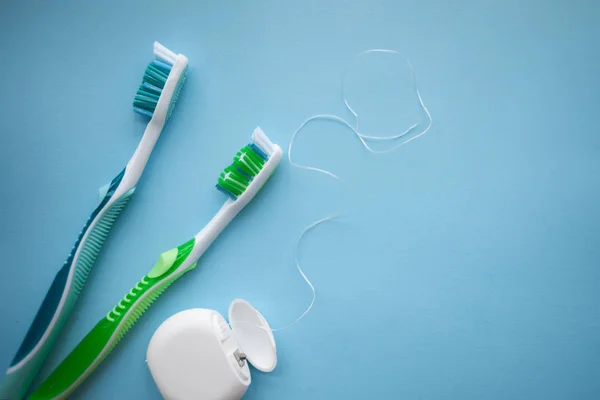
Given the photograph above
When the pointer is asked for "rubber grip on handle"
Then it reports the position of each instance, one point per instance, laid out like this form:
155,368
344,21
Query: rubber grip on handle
62,295
107,333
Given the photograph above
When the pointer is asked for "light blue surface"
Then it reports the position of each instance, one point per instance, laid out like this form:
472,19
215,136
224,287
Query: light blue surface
467,264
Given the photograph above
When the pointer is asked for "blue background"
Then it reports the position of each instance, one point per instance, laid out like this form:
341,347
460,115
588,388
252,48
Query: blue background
466,265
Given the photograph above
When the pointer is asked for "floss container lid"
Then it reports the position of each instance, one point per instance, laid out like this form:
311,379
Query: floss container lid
253,334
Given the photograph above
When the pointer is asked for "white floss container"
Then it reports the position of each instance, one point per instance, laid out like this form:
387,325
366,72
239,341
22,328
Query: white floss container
196,355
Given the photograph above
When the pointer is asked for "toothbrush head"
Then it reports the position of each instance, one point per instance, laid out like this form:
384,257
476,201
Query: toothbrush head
252,166
162,83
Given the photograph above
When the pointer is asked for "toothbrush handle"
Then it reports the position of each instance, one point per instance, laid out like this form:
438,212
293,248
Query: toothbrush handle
100,341
215,226
63,292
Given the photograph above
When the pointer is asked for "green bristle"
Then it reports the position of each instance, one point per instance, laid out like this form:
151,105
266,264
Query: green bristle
248,161
255,157
233,181
235,178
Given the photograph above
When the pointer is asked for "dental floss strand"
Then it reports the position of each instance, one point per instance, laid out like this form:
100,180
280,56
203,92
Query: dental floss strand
363,139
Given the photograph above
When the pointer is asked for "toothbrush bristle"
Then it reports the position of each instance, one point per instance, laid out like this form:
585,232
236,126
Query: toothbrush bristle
154,80
259,151
247,163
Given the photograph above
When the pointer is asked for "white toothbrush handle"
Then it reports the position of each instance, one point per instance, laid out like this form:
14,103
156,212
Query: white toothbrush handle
231,208
213,229
138,161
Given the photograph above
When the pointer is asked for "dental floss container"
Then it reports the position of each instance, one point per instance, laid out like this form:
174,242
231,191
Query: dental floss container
196,355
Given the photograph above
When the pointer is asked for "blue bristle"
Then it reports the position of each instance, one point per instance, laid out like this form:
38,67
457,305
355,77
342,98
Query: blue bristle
142,112
152,88
149,92
162,65
227,192
141,96
259,151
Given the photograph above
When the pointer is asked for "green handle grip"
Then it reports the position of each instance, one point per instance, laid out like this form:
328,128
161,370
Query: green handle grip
107,333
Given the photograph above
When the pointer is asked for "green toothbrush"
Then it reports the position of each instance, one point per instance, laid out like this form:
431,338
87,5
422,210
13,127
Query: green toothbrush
241,181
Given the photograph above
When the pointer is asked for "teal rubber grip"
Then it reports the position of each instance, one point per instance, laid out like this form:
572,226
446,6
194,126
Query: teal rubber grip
107,333
63,293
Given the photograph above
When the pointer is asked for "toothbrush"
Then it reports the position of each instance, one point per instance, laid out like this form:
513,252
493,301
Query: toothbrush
241,181
156,97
